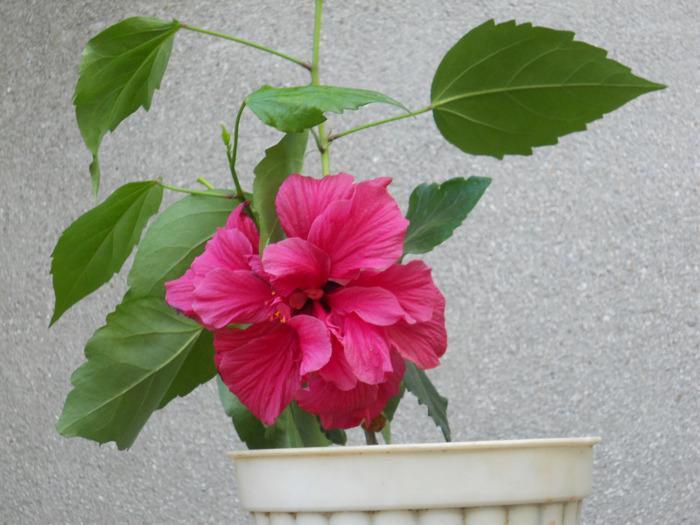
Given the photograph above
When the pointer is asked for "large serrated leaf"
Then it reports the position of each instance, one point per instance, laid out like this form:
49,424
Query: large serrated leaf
280,161
419,385
95,246
120,69
506,88
134,363
174,239
434,211
294,109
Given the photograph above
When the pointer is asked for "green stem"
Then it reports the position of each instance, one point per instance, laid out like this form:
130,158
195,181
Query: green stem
246,43
377,123
370,437
317,39
198,192
322,140
232,156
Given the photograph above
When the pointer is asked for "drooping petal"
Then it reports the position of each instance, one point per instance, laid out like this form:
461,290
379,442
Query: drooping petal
301,200
296,264
179,293
240,221
423,343
366,350
338,371
349,408
314,342
338,408
224,297
365,232
373,305
260,365
411,284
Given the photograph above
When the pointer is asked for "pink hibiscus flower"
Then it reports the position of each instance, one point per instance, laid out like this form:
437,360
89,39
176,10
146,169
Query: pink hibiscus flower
331,313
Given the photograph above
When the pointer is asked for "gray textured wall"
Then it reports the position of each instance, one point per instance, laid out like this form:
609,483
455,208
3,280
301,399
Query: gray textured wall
572,291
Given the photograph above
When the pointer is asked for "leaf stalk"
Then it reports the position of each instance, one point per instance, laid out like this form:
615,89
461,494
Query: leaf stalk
303,64
232,154
197,192
379,122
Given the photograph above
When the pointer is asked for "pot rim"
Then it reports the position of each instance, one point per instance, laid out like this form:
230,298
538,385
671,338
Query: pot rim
340,450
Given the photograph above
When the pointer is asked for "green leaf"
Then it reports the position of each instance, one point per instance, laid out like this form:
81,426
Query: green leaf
293,428
389,411
249,428
296,428
506,88
292,110
281,160
419,385
284,433
386,432
134,363
95,246
197,369
309,427
434,211
336,436
175,238
393,403
120,69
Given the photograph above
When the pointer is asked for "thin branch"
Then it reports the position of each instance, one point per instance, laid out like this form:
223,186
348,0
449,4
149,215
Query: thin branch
303,64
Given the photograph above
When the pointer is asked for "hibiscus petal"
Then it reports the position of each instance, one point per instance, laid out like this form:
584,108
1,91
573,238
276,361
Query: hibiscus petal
301,199
365,232
338,371
224,297
314,341
366,350
227,249
347,409
337,408
422,343
179,293
240,221
296,264
260,365
374,305
381,182
411,284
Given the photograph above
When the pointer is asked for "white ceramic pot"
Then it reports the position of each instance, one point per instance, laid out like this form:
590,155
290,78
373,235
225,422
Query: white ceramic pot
528,482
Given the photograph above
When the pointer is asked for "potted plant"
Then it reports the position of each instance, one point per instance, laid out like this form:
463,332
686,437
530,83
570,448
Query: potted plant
302,295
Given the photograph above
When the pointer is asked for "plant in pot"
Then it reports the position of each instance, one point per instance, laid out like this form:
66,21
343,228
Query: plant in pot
303,295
